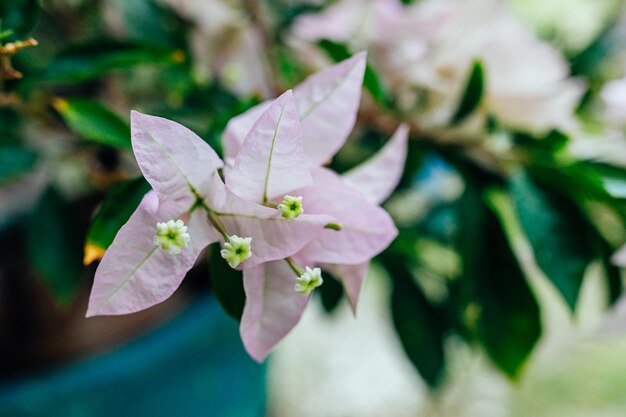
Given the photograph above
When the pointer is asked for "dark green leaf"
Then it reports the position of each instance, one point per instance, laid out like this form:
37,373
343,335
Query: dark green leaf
10,123
557,232
552,143
94,122
575,180
371,81
91,60
19,17
227,284
498,309
331,292
587,62
15,161
119,204
472,94
420,327
53,245
611,177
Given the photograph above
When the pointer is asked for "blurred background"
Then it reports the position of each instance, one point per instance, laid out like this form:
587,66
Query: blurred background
497,298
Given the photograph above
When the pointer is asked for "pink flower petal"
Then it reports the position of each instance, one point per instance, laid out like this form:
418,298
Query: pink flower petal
338,22
328,102
272,307
239,126
134,274
377,177
366,229
352,278
326,177
271,161
171,157
273,237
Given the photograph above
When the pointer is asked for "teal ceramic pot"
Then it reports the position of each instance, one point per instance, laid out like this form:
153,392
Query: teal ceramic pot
194,365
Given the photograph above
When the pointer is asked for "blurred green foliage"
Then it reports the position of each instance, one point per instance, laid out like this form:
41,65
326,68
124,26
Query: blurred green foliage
94,122
15,161
18,17
117,207
54,244
472,94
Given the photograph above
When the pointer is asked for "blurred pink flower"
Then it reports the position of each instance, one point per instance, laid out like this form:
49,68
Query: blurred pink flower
614,98
225,44
426,50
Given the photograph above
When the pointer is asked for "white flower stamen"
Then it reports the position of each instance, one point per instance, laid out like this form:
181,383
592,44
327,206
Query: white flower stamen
309,280
290,207
237,250
172,236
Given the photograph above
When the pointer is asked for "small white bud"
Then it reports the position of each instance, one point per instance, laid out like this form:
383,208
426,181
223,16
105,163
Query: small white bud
290,207
310,280
237,250
172,236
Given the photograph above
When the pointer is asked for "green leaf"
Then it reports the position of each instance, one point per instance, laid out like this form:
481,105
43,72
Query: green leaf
10,127
119,204
552,143
498,309
94,59
612,179
331,292
587,62
227,284
53,244
94,122
15,161
558,233
19,17
472,95
419,325
371,81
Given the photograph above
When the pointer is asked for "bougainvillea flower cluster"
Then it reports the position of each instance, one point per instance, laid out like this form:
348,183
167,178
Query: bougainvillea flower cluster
279,214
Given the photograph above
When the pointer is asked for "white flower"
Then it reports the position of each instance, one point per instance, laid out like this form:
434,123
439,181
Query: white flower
172,236
237,250
426,51
310,280
225,44
614,98
527,90
291,207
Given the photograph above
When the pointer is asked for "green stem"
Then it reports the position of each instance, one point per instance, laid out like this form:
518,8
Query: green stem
294,266
333,226
219,226
211,214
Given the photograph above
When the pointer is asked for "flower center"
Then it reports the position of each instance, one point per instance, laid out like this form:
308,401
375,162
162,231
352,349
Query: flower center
172,236
237,250
290,207
309,280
